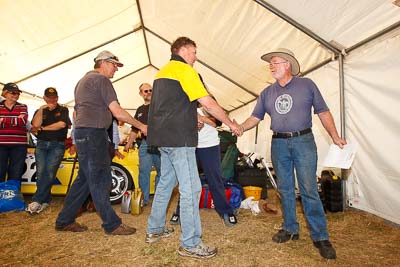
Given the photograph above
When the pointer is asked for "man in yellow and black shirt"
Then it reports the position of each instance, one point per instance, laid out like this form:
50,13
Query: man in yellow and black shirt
172,126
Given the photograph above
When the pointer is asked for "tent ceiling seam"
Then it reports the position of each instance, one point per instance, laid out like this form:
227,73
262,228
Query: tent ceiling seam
78,55
129,74
144,32
373,37
298,26
208,66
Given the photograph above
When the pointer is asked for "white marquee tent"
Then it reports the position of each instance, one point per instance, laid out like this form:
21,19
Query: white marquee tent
349,48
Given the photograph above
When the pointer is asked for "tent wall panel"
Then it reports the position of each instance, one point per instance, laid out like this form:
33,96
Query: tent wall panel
372,120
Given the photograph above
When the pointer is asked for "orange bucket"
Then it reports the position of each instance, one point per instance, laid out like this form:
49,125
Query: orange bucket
252,191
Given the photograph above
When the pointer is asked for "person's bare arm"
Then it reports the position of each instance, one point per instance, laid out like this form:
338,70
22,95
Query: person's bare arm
212,107
131,139
329,125
122,115
37,121
249,123
208,120
54,126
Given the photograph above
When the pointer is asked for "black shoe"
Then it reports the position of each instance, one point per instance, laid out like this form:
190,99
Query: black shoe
229,219
326,249
175,219
283,236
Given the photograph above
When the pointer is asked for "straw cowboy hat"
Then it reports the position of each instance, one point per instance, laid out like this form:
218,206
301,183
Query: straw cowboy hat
285,54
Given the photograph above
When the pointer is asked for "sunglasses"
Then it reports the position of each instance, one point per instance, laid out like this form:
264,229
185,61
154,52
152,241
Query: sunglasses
114,58
147,91
14,93
114,64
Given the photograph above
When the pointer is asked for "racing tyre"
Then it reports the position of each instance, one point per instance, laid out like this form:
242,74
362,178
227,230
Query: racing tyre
121,182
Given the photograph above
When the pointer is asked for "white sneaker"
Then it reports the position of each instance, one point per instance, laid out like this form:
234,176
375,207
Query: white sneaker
201,251
34,207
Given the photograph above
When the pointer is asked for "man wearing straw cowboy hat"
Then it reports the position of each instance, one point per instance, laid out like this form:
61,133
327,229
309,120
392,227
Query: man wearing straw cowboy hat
288,102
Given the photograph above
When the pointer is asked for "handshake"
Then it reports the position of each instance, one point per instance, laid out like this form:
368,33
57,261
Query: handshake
236,128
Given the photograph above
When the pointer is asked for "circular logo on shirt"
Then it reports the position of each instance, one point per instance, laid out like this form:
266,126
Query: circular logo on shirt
283,104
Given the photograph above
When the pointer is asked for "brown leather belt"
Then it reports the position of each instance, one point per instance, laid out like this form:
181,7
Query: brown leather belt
291,134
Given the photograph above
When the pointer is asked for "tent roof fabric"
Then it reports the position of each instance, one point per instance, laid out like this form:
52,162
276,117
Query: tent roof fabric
45,45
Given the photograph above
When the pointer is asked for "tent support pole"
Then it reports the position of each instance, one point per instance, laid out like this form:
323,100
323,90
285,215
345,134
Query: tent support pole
344,174
341,88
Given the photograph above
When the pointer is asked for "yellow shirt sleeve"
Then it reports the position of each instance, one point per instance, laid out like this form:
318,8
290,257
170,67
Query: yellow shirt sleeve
191,84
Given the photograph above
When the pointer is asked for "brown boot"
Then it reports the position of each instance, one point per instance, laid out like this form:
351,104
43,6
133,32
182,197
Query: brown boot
73,227
122,229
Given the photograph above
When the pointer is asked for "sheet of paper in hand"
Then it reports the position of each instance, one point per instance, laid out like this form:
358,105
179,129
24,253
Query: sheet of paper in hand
340,158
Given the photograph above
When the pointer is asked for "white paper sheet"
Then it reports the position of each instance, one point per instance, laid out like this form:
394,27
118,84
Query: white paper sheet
340,158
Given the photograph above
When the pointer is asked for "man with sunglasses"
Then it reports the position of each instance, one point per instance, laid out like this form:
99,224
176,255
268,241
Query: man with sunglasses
50,122
148,156
13,140
95,104
289,102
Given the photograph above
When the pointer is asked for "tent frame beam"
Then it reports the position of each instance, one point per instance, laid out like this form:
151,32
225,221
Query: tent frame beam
144,32
373,37
80,54
298,26
207,65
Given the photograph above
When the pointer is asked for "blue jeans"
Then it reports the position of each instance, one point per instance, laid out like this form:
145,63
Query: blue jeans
178,165
146,161
210,161
12,161
94,178
48,156
300,154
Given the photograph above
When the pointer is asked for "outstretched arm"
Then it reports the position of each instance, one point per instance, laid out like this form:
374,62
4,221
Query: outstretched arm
122,115
249,123
329,125
217,112
131,139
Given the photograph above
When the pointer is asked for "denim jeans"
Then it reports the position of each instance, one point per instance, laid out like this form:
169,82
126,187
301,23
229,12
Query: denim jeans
12,161
300,154
178,165
48,156
210,161
146,161
94,178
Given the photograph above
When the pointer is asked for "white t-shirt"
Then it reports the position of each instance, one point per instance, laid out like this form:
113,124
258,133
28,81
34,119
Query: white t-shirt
208,135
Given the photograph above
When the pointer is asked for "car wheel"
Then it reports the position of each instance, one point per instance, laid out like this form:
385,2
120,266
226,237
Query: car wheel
121,182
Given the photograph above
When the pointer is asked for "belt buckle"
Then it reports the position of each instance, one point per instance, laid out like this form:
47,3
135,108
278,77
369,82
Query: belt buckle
291,134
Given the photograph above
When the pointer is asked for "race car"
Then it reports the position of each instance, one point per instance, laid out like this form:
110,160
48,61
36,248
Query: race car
124,174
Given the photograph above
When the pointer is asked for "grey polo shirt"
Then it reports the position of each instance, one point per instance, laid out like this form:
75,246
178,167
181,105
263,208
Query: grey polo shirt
93,94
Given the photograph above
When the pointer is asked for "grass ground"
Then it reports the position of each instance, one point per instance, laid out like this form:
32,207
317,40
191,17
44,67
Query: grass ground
360,239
